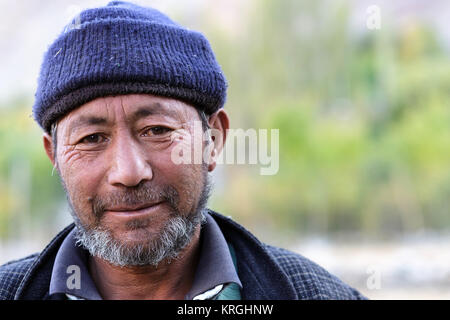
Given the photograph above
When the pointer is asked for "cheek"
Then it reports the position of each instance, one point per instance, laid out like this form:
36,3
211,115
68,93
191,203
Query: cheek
187,179
82,177
80,166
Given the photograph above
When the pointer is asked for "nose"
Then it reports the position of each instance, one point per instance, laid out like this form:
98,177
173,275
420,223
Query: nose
129,165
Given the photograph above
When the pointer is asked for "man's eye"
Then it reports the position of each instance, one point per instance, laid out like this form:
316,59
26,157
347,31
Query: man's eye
92,139
158,130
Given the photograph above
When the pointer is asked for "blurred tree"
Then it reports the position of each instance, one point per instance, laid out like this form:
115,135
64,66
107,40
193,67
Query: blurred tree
364,139
29,193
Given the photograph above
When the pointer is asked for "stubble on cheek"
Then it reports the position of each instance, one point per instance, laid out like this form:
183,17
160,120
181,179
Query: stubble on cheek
79,197
79,176
189,179
191,183
82,205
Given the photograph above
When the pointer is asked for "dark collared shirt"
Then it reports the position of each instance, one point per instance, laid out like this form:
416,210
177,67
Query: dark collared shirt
215,267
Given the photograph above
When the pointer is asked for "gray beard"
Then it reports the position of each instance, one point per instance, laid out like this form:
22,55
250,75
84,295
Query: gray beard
174,237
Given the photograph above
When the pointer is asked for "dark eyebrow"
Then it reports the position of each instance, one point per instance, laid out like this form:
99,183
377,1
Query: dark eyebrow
153,109
86,120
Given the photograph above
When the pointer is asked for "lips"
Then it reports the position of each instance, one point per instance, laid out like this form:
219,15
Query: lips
134,210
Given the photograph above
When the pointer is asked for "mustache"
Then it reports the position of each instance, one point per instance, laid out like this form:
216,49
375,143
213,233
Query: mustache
145,192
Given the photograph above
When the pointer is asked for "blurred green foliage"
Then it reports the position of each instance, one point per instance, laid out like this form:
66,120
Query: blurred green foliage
363,119
29,194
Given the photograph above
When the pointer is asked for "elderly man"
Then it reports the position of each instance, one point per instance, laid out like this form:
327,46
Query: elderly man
119,95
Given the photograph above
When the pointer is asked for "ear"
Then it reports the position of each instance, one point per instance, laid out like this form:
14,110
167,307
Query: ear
48,146
219,124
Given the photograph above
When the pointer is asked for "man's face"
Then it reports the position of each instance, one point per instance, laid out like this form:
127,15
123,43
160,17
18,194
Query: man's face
114,158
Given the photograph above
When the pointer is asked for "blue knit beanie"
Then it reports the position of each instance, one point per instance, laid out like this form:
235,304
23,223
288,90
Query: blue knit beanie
123,48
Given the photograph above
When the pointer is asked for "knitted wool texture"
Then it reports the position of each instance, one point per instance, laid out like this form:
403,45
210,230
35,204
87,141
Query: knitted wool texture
123,48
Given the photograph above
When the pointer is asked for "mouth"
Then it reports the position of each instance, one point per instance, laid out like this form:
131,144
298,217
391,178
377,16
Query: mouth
142,209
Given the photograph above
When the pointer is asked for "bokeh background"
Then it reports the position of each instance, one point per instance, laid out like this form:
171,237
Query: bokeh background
363,186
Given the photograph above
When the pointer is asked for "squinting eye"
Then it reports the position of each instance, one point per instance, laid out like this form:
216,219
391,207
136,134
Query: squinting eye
92,139
158,130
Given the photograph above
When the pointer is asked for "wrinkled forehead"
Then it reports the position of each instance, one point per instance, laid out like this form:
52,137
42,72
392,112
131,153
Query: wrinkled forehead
128,109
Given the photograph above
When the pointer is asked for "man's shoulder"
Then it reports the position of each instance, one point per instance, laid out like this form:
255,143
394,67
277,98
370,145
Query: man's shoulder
12,273
310,280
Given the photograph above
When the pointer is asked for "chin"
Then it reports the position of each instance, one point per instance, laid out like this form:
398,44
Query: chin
137,236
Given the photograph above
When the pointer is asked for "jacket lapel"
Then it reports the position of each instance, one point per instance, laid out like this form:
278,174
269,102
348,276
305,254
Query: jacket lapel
36,282
261,276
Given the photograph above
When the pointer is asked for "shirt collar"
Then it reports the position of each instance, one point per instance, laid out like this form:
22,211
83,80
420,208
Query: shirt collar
72,261
215,266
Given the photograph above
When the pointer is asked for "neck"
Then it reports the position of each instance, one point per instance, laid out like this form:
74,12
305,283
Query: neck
167,281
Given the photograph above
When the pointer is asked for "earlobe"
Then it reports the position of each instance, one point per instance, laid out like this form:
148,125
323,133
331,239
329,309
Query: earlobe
219,125
211,166
212,160
48,146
